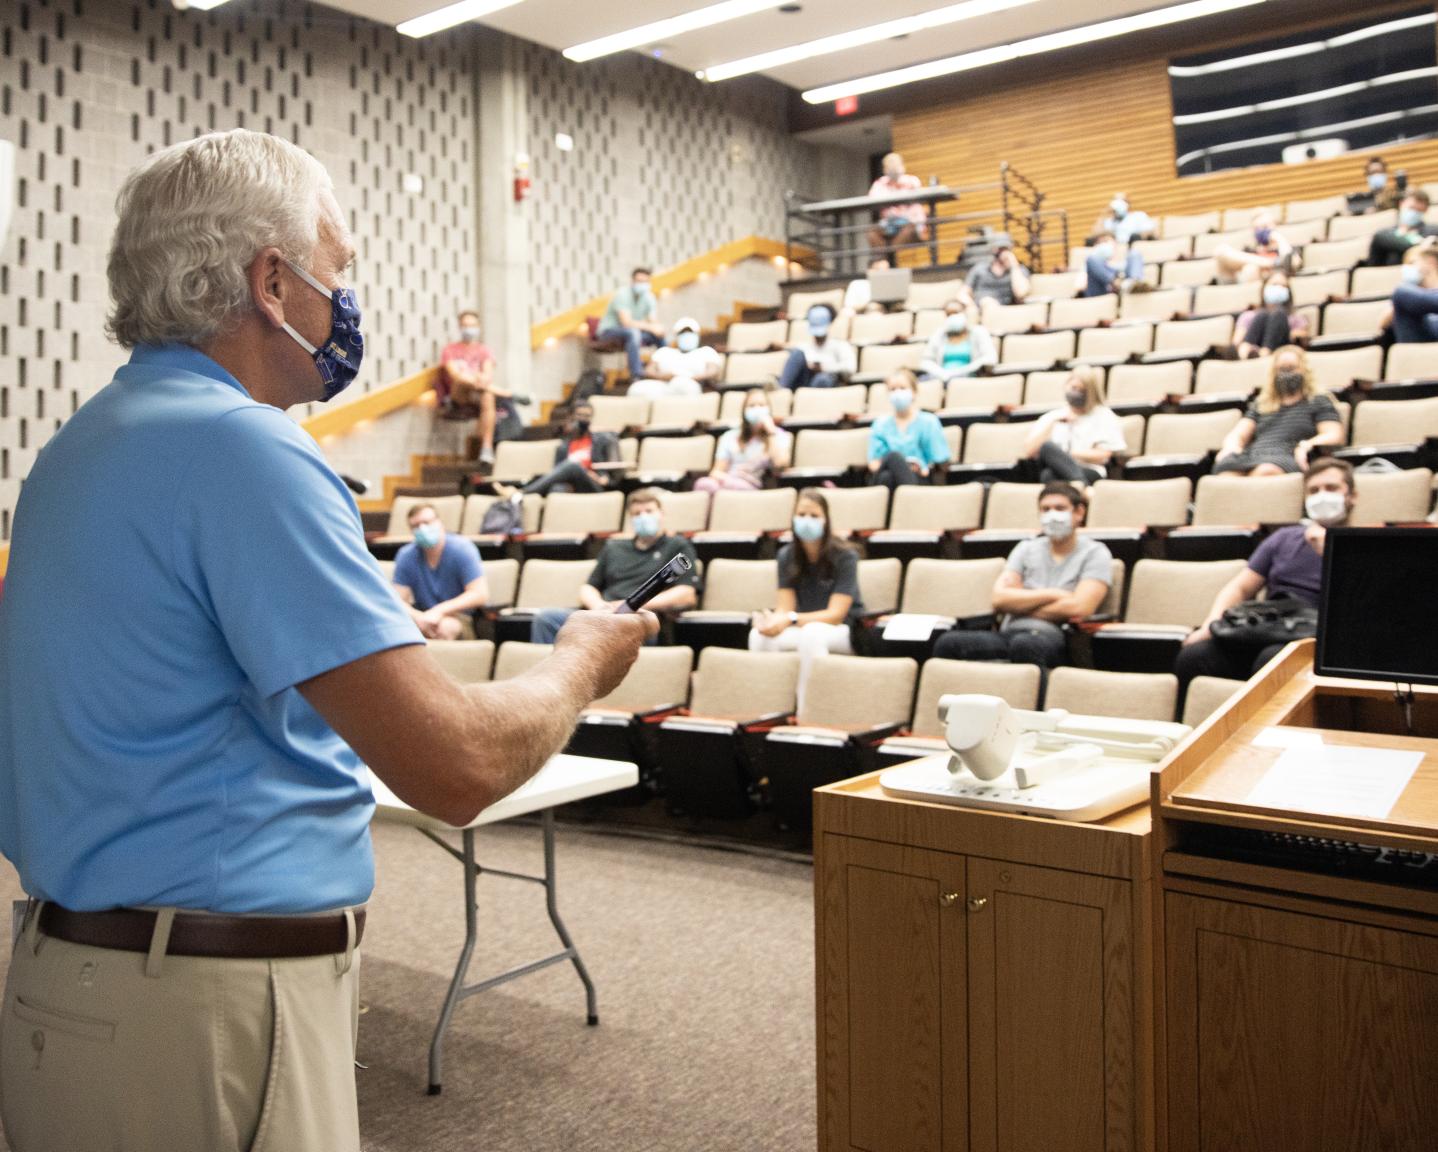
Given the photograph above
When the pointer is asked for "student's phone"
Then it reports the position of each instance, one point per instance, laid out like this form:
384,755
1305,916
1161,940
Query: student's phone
665,577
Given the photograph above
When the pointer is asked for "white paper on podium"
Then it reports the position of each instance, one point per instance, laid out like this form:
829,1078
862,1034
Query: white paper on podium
1337,780
913,626
1287,738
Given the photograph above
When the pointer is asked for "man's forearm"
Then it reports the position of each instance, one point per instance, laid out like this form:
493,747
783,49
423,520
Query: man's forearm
464,602
591,598
1024,600
675,599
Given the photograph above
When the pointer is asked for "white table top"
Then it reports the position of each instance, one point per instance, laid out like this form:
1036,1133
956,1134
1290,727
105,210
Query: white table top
563,780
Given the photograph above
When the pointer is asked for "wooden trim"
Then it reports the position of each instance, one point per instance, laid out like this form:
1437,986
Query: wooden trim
372,405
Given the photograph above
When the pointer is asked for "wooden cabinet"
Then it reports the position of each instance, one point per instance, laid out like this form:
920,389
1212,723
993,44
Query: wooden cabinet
973,1003
1298,1033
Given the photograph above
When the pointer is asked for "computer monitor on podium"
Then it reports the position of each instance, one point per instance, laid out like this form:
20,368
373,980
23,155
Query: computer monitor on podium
1378,619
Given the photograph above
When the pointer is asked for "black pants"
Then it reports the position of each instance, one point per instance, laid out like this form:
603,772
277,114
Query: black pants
1207,658
893,471
1056,464
1047,649
1387,248
568,477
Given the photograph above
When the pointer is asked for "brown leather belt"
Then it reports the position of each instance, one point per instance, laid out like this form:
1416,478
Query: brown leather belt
193,934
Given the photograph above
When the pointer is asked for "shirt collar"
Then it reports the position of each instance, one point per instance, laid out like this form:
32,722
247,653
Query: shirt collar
183,358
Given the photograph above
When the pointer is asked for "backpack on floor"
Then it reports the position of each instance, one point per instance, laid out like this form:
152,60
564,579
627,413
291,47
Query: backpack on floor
590,381
502,518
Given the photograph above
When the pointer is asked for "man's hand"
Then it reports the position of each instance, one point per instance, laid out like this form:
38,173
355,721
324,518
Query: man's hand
1198,635
605,645
1315,534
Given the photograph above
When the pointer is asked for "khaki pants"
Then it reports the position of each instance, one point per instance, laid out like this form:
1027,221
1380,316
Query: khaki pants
102,1049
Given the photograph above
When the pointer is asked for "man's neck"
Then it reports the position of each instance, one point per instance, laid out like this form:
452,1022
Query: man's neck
432,556
1065,546
645,543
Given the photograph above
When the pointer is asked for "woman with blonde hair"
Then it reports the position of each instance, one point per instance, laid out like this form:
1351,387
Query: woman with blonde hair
1076,442
1289,418
746,455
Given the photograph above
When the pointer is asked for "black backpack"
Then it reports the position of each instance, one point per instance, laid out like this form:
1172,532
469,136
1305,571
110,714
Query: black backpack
502,518
590,381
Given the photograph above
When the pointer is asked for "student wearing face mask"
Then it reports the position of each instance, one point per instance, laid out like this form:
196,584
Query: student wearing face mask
1268,249
822,361
1048,580
1289,562
1076,442
1261,330
439,577
749,454
1289,419
1415,300
1380,192
1126,223
633,319
1108,270
906,443
574,460
818,592
959,347
899,224
1390,245
682,367
467,379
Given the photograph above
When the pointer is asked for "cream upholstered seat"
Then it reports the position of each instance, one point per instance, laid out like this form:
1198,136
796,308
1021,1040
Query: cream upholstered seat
829,404
1149,383
742,586
799,303
684,411
734,684
879,582
1037,347
502,576
1013,506
616,413
1228,499
531,509
1411,362
753,367
881,359
1356,318
926,507
1139,503
759,337
1231,377
1193,335
1002,319
552,583
991,443
1395,421
523,460
449,510
829,450
880,327
1083,311
1160,305
1120,341
1018,684
468,661
516,657
1393,497
767,510
1206,695
582,512
1230,298
984,392
950,588
659,678
1129,695
1334,371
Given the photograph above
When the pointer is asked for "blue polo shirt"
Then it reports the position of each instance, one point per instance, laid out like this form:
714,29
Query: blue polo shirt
459,566
182,558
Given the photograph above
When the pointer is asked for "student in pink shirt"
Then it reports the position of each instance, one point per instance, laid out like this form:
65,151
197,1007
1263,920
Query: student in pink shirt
898,223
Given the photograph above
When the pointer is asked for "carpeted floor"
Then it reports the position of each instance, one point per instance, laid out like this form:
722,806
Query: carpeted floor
704,964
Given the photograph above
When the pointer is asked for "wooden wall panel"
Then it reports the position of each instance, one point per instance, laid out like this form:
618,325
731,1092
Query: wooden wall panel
1080,136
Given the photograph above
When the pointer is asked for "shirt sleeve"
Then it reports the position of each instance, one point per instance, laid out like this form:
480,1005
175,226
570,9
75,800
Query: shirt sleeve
406,567
1324,409
879,439
1097,565
1109,432
728,447
846,574
1261,562
268,539
469,566
786,568
600,574
936,448
1018,560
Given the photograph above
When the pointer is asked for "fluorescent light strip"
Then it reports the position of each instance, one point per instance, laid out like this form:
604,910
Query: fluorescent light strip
1306,98
663,29
858,37
1307,134
205,5
1305,49
1033,47
450,15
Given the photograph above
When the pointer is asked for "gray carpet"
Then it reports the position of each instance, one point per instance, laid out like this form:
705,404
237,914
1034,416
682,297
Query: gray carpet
704,963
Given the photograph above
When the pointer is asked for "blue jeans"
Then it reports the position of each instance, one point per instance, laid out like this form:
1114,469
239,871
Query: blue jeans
798,374
634,339
547,623
1101,276
1415,314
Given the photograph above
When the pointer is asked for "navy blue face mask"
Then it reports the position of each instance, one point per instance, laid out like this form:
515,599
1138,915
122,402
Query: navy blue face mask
339,359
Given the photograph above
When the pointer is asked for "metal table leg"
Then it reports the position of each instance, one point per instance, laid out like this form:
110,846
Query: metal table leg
458,990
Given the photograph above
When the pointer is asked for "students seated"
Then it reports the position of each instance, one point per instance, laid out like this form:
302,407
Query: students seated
818,592
682,367
748,455
1289,418
633,317
1415,301
439,577
1076,442
906,443
574,458
822,361
466,374
1108,271
1267,250
1287,563
1002,278
959,347
1126,224
1274,323
1049,579
1380,193
898,224
1389,246
623,566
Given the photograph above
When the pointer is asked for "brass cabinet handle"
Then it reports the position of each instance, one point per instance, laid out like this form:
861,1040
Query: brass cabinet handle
977,902
948,899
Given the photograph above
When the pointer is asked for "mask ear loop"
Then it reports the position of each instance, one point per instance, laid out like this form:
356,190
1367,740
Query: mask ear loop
318,287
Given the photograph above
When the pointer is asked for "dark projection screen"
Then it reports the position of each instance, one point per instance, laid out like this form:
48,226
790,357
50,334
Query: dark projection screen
1367,83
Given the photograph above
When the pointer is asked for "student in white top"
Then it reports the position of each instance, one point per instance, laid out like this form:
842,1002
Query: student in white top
748,454
959,347
1076,442
680,368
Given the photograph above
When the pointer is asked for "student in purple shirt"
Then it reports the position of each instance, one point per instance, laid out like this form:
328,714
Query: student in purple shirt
1288,563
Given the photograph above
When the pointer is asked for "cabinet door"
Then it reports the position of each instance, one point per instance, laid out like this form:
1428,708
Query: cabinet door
1297,1033
892,995
1051,1010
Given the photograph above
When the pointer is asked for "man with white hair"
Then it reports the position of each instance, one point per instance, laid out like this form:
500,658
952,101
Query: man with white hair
183,791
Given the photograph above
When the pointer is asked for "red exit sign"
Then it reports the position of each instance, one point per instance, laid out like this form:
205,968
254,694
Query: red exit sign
846,105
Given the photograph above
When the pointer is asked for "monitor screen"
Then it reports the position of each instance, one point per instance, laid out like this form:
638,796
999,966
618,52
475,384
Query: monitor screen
1378,619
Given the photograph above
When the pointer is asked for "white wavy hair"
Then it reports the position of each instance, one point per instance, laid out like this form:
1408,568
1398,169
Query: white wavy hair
192,218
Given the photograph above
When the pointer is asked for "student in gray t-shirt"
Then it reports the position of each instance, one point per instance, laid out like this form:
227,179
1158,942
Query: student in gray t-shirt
1048,579
1002,279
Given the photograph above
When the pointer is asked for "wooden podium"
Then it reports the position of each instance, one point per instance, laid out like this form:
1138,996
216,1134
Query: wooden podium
1203,972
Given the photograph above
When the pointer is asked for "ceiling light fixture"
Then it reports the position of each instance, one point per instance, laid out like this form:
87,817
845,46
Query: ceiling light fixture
201,5
1308,97
449,16
1001,53
664,29
858,38
1305,49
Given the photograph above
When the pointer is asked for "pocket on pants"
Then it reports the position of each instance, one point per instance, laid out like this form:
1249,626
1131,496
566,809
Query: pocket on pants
86,1027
